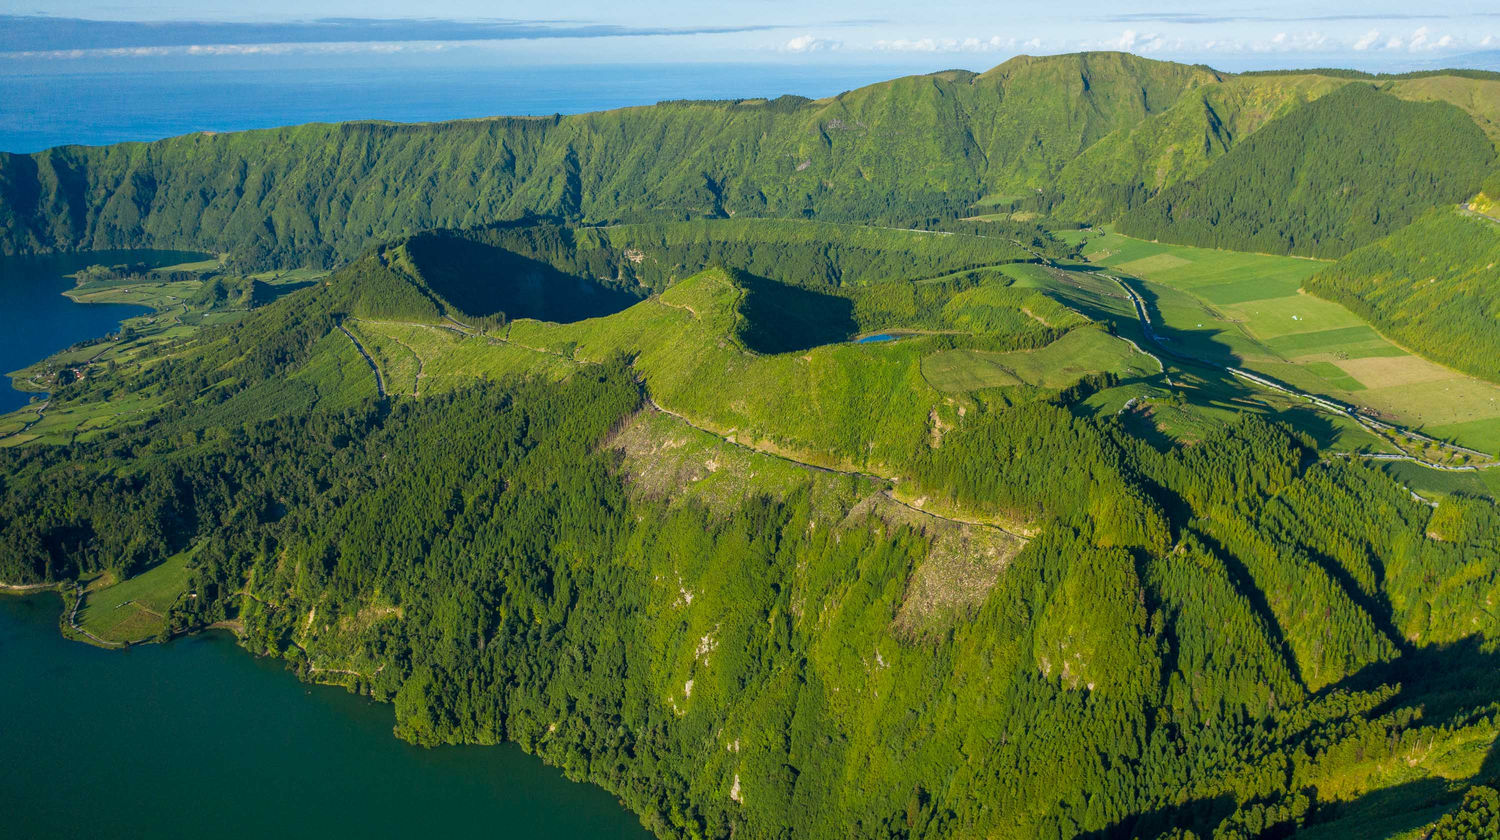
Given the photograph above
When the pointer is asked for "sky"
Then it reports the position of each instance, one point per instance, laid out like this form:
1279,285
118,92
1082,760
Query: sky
62,35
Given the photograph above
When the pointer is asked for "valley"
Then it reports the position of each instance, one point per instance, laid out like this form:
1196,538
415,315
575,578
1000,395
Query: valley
864,479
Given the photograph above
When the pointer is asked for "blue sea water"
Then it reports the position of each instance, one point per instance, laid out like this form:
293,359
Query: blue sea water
43,109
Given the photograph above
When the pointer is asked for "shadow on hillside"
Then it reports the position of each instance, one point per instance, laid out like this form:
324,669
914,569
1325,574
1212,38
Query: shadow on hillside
277,291
1392,811
1145,428
484,280
1072,266
1200,345
1311,422
778,318
1454,679
1458,681
1193,816
1452,685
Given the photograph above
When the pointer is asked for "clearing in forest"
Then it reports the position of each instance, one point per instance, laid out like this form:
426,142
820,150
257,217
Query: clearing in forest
135,609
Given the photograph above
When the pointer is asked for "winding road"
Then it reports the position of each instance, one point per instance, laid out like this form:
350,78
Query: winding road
379,382
877,479
1378,427
41,408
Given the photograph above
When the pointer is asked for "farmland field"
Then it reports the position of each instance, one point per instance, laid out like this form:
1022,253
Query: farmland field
1057,365
135,609
1247,310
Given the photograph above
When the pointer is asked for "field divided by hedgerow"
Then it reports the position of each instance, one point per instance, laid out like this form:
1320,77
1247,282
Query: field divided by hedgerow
1248,310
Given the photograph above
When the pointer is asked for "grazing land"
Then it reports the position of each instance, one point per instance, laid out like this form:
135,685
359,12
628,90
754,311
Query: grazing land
135,609
1057,365
1249,310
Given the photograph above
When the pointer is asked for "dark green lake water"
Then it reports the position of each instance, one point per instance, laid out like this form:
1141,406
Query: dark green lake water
196,738
37,321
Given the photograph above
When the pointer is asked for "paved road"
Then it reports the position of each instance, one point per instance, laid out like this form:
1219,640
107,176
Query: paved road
379,383
1379,427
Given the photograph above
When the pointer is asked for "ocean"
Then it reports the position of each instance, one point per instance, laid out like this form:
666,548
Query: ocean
40,110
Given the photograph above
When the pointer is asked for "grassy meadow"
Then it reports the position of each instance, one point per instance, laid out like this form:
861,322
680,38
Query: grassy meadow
1057,365
1248,310
134,610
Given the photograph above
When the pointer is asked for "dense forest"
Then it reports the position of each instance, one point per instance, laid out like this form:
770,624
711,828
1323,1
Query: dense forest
574,448
482,552
1326,178
1431,286
1213,641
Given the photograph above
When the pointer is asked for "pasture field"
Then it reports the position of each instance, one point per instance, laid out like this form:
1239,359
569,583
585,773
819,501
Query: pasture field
1247,310
135,609
421,359
1202,396
1432,483
80,421
157,295
1058,365
197,265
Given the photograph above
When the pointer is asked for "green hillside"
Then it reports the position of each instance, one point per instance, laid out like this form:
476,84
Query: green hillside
684,609
795,469
322,193
1087,136
1132,165
1324,179
1431,286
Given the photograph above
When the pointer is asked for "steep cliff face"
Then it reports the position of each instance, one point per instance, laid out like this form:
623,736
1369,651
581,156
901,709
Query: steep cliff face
321,193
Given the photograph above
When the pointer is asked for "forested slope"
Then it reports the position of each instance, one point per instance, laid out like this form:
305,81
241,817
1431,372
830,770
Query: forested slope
1132,165
1234,639
641,507
1433,286
1089,136
1326,178
910,147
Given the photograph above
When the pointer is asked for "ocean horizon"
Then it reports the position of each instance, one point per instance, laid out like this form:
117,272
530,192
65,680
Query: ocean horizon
42,110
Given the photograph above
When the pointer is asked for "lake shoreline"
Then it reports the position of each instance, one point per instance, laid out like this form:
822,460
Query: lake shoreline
308,755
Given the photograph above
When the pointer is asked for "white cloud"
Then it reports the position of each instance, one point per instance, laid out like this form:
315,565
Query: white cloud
809,43
971,44
1423,38
1292,42
1369,40
339,48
